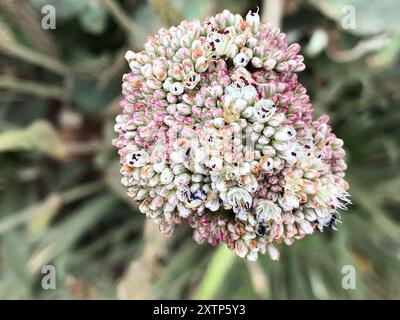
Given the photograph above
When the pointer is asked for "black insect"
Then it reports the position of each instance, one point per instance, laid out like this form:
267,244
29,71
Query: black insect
331,222
199,194
261,229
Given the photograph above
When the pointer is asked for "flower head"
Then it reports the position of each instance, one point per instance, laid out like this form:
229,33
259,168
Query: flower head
217,132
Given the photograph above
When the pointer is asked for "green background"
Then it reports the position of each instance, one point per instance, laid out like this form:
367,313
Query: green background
61,202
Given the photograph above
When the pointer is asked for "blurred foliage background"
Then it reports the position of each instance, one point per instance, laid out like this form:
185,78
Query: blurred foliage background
60,197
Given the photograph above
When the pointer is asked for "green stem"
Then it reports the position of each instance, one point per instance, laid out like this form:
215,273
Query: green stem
213,279
121,17
30,87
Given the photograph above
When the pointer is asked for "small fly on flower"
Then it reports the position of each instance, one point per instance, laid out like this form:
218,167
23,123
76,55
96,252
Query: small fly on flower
261,228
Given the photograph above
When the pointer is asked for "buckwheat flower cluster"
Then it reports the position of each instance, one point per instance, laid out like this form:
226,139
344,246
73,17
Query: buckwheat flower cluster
217,132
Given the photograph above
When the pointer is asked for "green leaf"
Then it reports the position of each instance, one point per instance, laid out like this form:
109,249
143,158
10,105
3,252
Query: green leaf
15,253
68,232
90,98
94,18
45,213
37,214
40,135
213,279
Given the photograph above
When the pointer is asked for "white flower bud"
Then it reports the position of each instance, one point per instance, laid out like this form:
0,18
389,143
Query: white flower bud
153,83
183,211
289,201
240,41
239,199
236,128
244,168
142,193
200,168
285,133
241,60
178,169
182,180
247,113
267,163
253,19
220,185
202,64
169,207
269,151
194,203
249,93
130,55
215,165
310,187
158,167
282,146
264,109
200,155
183,109
176,88
233,91
251,183
197,177
147,70
136,174
252,256
159,70
156,203
130,135
147,172
219,122
254,136
268,211
136,159
276,119
273,252
256,62
166,176
172,198
312,174
269,64
240,105
154,181
178,156
263,140
252,43
232,50
310,216
278,163
167,84
292,153
241,248
306,227
213,204
268,131
191,80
